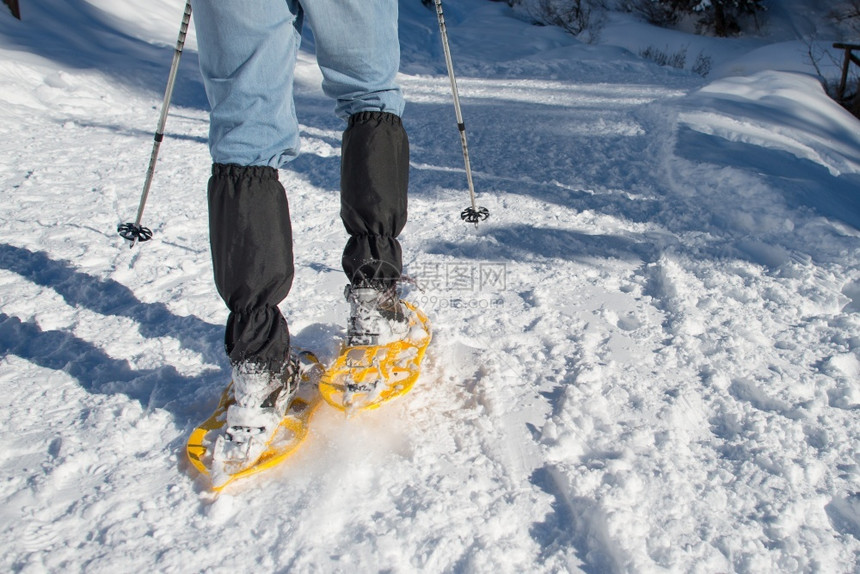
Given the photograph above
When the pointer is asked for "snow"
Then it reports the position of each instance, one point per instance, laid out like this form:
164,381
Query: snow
646,360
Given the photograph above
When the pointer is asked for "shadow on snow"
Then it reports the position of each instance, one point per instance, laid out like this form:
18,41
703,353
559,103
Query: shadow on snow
803,182
78,35
96,371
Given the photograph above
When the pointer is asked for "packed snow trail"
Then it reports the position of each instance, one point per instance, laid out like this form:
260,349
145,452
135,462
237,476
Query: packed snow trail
646,360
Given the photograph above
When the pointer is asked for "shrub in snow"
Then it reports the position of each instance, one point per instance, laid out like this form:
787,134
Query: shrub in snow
847,16
701,66
676,60
571,15
574,16
721,17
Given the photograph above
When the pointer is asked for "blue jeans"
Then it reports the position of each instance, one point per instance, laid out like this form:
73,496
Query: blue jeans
248,51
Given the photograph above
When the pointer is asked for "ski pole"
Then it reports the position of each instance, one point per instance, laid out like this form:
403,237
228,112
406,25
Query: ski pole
473,213
134,232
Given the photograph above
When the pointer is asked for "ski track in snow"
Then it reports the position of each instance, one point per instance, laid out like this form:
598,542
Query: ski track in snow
647,360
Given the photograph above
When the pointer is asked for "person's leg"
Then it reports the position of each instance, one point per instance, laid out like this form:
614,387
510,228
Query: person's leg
374,182
358,51
247,52
247,55
251,241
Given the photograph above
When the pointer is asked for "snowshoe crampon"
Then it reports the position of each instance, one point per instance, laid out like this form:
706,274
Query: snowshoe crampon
290,433
367,376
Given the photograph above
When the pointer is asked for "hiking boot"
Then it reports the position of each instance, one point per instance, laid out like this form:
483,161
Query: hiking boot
262,398
376,317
